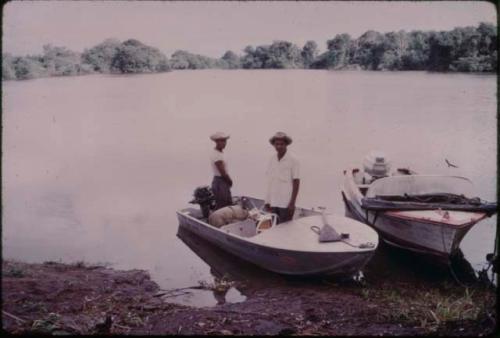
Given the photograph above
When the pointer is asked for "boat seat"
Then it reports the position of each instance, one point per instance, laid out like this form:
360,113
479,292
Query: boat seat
244,228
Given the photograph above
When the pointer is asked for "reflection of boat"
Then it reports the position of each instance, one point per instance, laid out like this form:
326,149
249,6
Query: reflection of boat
221,264
423,213
290,248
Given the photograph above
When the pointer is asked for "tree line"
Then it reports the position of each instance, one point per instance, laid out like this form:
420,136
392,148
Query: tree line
463,49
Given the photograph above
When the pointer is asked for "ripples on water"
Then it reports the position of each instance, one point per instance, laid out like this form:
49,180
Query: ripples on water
94,167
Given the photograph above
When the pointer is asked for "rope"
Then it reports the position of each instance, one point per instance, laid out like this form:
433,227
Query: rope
455,276
444,198
448,263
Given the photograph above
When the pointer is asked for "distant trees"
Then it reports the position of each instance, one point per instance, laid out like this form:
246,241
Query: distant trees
28,67
132,56
231,60
466,49
417,51
8,67
283,54
101,56
55,61
463,49
338,55
182,59
110,56
59,61
309,53
279,55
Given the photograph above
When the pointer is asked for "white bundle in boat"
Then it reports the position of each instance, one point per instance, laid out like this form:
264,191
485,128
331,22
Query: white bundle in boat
227,215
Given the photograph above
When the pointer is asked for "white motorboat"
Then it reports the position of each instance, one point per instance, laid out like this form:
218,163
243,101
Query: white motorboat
424,213
291,247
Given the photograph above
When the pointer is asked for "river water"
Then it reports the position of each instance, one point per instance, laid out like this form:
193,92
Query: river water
94,167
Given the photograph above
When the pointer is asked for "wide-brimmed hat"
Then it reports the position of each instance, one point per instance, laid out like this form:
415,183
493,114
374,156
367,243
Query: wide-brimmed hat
281,135
219,135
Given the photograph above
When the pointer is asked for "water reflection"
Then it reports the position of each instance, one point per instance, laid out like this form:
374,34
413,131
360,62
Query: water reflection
388,265
247,278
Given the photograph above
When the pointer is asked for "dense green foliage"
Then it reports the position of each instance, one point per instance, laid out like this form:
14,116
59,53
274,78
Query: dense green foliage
110,56
230,60
309,53
132,56
102,55
466,49
185,60
280,54
55,61
463,49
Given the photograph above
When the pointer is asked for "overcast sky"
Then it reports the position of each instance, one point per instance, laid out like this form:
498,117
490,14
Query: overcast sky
211,28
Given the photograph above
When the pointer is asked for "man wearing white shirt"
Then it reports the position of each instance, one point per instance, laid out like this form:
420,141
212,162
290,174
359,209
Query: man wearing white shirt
222,183
283,179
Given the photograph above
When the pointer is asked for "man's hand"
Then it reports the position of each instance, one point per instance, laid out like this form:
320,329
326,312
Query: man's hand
222,170
291,209
228,180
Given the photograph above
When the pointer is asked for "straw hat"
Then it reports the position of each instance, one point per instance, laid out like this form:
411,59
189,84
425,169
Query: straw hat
281,135
219,135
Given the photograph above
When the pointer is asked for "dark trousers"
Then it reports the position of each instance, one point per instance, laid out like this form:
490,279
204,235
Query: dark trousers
222,192
282,213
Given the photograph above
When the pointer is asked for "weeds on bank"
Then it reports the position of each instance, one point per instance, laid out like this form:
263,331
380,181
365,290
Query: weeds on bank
47,325
461,308
14,272
432,308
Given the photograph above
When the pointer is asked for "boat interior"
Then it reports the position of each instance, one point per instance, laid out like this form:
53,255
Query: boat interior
364,181
249,227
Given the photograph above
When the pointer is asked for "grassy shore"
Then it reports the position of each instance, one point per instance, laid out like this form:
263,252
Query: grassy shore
56,298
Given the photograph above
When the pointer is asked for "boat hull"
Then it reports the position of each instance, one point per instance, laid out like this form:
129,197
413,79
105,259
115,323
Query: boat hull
281,261
420,235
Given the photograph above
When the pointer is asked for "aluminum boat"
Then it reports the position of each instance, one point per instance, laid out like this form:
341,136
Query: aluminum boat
428,214
292,247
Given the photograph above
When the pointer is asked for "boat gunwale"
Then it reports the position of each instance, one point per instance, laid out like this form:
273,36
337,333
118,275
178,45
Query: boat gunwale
390,214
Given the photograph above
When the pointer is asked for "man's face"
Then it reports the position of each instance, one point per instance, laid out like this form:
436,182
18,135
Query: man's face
221,143
280,145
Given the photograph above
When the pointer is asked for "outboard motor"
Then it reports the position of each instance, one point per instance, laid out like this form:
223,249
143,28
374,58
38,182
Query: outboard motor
205,198
375,166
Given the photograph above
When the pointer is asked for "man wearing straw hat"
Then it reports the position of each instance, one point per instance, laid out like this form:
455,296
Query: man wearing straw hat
221,183
283,179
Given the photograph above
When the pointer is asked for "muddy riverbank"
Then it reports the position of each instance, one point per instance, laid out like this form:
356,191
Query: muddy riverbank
61,298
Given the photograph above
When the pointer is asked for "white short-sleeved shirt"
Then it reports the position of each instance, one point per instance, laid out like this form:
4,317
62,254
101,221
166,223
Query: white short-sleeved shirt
216,156
280,175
